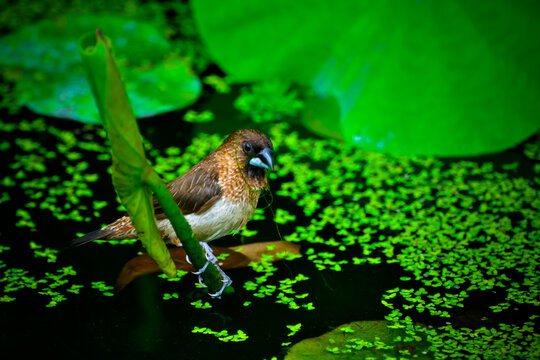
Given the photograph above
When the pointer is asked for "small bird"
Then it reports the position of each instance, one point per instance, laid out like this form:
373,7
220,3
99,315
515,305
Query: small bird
217,196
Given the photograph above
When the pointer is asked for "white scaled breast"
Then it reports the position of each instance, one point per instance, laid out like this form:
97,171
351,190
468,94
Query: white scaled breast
223,218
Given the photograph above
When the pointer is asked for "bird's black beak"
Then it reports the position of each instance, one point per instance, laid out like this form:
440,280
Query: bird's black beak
263,159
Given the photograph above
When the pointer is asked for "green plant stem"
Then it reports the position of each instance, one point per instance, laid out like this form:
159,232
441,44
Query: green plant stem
182,229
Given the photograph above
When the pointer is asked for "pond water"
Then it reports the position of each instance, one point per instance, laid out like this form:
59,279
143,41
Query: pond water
444,245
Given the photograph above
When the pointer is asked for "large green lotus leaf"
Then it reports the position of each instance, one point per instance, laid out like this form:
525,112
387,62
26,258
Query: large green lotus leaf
448,78
53,81
51,45
63,94
169,85
361,340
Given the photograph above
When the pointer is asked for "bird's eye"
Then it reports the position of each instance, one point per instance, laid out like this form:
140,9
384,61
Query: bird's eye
247,147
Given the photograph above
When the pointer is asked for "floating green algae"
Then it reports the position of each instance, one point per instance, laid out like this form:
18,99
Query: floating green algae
456,228
101,286
220,84
54,286
268,101
196,117
222,335
58,193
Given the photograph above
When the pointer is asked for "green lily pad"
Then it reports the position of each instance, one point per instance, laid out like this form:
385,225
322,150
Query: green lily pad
360,340
420,77
53,82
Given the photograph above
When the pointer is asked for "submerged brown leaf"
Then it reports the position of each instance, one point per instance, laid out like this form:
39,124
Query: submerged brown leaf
237,257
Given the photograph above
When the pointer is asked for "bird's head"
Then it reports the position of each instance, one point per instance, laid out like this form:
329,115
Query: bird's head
254,150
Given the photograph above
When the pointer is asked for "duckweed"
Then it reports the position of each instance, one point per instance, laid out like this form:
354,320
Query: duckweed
268,101
167,296
199,304
282,291
196,117
31,170
42,252
179,275
282,216
51,285
503,341
456,228
218,83
294,329
104,289
222,335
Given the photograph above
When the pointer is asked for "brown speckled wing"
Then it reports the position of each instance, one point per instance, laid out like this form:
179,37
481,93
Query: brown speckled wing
194,192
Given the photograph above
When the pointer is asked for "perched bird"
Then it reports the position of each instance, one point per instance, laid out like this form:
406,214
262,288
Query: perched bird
217,196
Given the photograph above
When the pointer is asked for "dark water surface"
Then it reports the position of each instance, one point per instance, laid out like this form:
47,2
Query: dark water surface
138,322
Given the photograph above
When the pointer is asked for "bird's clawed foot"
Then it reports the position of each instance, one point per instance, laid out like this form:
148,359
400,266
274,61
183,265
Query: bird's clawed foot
211,258
226,282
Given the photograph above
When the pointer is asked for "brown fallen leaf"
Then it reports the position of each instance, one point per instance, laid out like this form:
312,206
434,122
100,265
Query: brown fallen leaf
238,256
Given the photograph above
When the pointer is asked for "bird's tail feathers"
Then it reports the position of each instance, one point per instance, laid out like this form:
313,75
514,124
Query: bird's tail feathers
91,236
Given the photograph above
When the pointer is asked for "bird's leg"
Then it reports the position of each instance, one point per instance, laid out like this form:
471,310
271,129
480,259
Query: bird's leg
209,253
211,258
